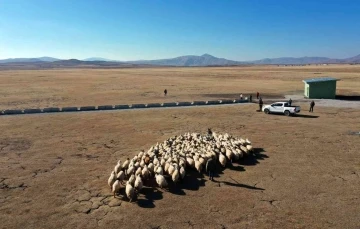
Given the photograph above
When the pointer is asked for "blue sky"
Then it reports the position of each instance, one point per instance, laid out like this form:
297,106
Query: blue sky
152,29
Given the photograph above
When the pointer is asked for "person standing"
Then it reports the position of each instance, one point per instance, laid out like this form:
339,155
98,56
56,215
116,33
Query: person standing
290,101
257,95
165,92
260,104
312,104
241,96
250,98
211,168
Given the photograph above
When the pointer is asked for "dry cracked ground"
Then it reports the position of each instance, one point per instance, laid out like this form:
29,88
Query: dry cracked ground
305,174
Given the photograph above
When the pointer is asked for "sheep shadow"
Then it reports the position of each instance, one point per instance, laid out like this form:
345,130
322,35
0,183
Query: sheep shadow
253,159
239,185
147,197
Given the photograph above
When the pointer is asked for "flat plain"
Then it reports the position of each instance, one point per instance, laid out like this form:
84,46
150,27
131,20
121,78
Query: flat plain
54,168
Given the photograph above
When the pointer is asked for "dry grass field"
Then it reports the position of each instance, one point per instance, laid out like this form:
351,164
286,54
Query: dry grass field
92,87
54,168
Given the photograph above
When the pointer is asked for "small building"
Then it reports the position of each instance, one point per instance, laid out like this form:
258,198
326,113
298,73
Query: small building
320,88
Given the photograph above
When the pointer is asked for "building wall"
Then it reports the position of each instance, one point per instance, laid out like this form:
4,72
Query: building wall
306,90
322,90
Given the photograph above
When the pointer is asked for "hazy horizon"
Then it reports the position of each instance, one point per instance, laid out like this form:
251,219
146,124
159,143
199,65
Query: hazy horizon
144,30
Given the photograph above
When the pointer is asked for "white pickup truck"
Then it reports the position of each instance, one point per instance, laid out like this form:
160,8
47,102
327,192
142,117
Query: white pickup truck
281,107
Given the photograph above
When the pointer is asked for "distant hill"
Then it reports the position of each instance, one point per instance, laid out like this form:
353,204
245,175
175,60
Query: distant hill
204,60
97,59
190,60
307,60
27,60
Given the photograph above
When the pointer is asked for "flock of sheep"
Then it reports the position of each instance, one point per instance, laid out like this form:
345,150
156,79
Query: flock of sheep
173,157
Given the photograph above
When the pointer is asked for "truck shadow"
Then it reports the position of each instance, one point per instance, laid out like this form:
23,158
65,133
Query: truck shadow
305,116
297,115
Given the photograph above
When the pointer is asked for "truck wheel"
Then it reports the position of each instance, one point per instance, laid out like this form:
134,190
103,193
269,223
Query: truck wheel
267,111
287,113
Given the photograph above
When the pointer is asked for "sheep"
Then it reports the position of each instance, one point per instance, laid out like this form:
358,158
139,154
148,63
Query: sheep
175,176
130,170
176,154
117,167
138,171
112,179
142,163
120,176
198,166
190,162
166,167
249,148
222,160
160,180
160,170
145,172
229,154
151,167
126,163
132,179
182,172
138,183
130,191
116,187
147,159
171,169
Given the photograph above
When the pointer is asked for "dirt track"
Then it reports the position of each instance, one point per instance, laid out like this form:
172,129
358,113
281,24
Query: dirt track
306,174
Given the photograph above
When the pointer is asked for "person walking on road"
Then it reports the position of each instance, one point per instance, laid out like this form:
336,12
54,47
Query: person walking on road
211,168
260,104
312,104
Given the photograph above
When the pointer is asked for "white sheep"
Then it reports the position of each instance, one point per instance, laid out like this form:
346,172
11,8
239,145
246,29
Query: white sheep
130,170
132,179
160,180
130,191
175,176
160,170
145,172
126,164
117,167
182,172
171,169
198,166
222,160
120,176
112,179
116,187
138,183
138,171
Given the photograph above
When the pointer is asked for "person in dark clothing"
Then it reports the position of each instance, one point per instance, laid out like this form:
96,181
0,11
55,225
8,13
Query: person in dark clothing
250,98
260,104
312,104
290,101
257,95
165,92
209,132
211,168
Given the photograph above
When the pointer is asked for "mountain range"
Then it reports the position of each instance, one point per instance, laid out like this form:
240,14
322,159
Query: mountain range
190,60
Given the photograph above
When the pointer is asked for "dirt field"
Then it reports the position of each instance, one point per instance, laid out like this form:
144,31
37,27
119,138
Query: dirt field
54,168
92,87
